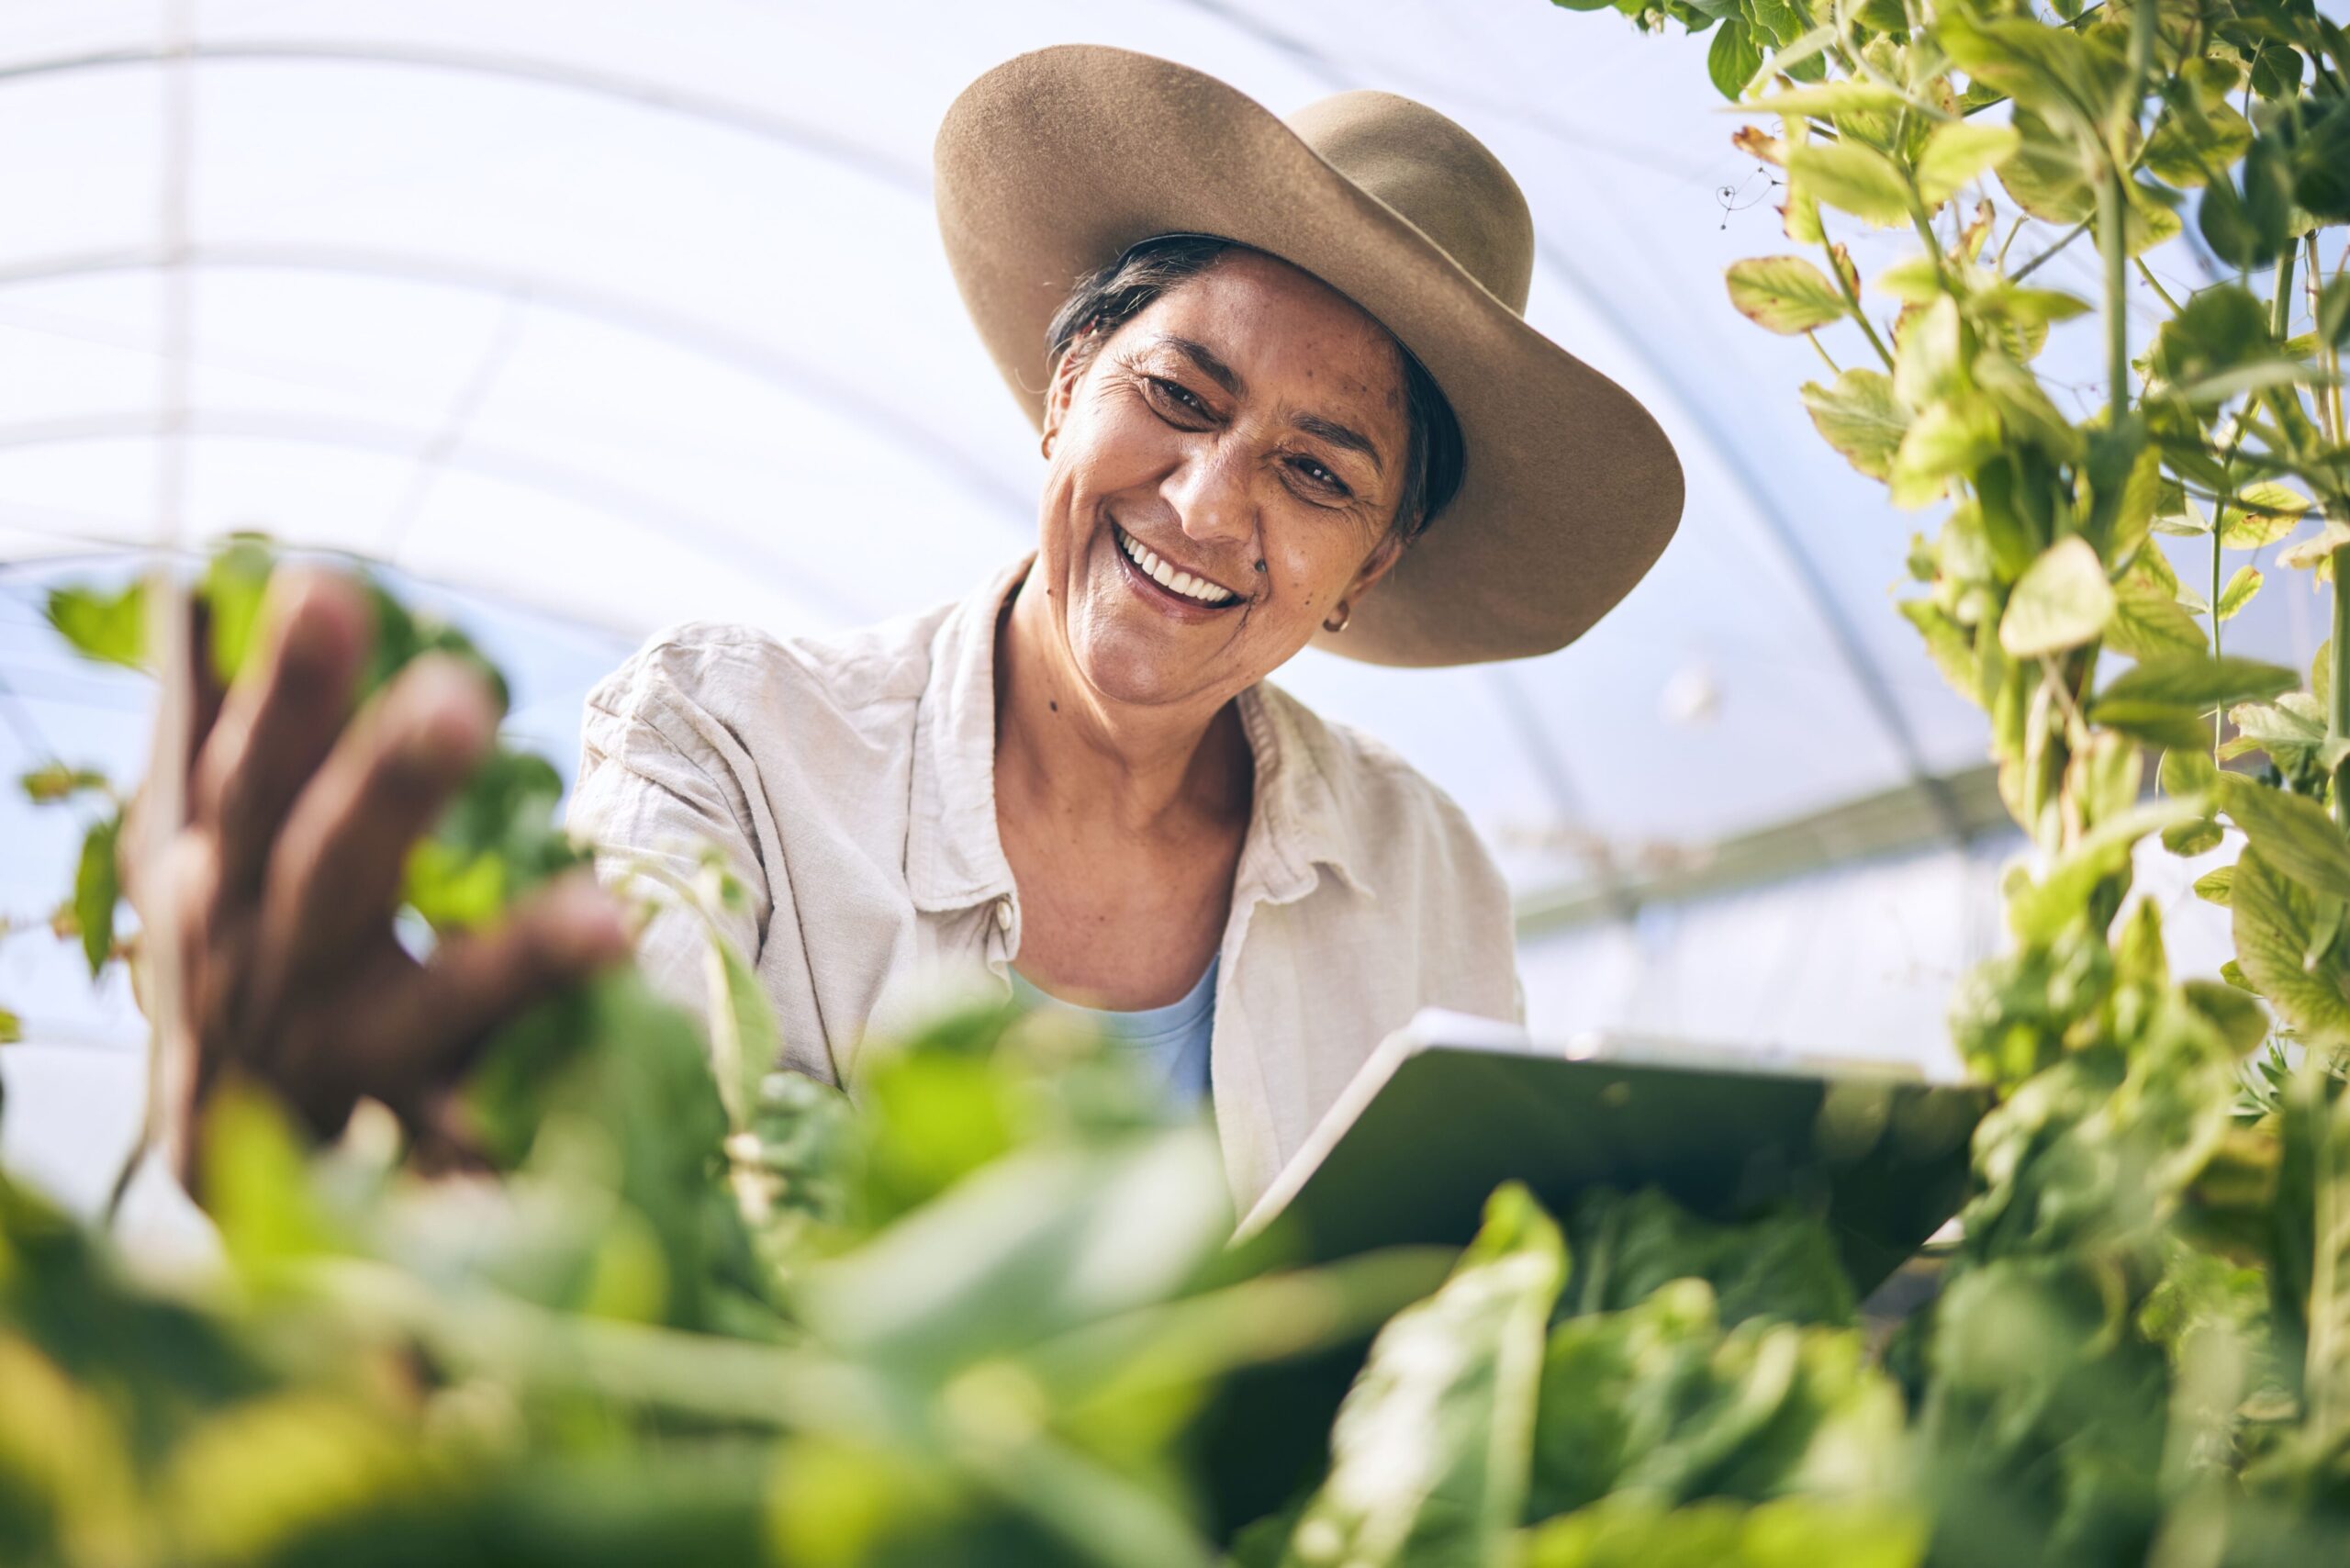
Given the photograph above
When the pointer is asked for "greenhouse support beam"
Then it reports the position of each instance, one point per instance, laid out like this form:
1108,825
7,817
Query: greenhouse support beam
1906,817
811,138
523,470
709,340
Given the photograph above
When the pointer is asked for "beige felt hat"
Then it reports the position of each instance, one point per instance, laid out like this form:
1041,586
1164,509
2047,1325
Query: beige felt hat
1052,163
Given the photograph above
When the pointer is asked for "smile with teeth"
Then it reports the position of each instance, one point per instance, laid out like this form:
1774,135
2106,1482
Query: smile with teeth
1198,590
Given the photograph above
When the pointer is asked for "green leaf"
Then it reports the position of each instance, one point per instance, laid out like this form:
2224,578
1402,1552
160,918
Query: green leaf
2292,834
2197,681
108,628
1958,151
2239,592
12,1028
2190,839
2187,771
1430,1454
497,840
1824,101
2334,311
1785,294
1860,417
1733,58
2275,917
1947,644
236,581
2280,729
2189,140
2038,910
1852,178
97,888
1634,1531
2060,602
1928,361
1954,436
2148,622
2211,886
53,782
2163,724
2055,72
2316,551
2048,176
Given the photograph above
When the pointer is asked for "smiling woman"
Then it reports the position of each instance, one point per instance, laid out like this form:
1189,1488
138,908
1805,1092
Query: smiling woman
1287,396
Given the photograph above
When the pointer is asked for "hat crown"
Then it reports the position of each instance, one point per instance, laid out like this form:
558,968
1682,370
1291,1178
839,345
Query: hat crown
1434,174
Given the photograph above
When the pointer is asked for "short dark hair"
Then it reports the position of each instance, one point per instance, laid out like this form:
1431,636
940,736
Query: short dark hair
1435,458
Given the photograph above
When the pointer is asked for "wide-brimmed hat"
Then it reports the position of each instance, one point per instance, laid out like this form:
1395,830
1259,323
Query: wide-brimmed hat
1051,165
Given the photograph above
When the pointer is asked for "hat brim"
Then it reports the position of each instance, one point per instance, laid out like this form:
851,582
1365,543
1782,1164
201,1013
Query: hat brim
1052,163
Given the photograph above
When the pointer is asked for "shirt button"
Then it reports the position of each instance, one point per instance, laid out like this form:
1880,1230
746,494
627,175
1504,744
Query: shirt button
1004,913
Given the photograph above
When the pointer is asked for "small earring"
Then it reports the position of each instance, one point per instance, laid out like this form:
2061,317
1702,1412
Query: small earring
1344,612
1046,445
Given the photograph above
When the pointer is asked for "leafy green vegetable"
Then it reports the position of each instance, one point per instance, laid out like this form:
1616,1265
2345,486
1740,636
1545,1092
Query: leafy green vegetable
1429,1456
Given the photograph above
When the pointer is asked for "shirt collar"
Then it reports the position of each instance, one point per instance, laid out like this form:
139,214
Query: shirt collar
954,855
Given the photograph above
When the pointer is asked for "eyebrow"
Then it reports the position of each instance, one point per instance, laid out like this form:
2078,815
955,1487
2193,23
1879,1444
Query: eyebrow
1337,434
1212,366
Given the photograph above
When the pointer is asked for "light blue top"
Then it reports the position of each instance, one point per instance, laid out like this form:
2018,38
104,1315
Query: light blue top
1172,1040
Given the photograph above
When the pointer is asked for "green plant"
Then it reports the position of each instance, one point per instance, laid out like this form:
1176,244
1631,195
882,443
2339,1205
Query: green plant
697,1310
2140,1354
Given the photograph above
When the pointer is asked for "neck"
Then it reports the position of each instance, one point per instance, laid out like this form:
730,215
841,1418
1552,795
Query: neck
1062,745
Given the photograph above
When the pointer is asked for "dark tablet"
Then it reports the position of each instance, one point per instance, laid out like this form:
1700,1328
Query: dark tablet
1452,1106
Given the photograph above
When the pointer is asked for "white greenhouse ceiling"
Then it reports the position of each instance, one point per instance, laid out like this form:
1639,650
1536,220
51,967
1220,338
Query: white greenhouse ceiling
628,312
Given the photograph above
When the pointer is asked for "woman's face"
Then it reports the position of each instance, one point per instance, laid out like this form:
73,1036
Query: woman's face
1248,428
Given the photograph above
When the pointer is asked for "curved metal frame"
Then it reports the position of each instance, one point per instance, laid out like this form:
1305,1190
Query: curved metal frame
521,469
688,334
806,137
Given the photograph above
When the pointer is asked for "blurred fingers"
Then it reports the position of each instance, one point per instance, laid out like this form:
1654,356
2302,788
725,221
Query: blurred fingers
336,872
279,721
425,1032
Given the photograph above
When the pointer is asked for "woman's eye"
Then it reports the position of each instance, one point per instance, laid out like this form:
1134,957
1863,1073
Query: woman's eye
1322,477
1179,394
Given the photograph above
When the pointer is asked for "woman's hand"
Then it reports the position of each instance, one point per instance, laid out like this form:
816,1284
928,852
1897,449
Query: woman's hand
281,883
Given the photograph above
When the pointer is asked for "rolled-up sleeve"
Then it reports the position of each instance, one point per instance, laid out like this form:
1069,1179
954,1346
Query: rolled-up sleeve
653,793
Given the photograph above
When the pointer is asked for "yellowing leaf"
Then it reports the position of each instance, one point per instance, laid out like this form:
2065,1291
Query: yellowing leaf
2292,833
1860,418
1852,178
2261,514
2061,601
1785,294
2274,918
2239,592
1958,151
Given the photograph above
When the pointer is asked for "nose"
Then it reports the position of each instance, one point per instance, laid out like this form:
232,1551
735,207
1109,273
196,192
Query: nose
1211,492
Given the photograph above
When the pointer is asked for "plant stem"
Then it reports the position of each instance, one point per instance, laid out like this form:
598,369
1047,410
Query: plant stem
2329,399
1852,299
2280,306
1833,369
2070,235
2153,283
2117,318
2000,261
2337,703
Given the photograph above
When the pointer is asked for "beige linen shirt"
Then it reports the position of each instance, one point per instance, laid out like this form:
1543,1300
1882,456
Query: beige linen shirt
848,781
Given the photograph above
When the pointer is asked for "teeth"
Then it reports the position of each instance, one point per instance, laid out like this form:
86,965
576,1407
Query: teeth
1167,576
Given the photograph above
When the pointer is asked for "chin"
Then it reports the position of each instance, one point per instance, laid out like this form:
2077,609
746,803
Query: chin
1124,666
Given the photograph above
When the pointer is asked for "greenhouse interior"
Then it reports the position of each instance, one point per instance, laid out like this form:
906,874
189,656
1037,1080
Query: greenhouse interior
1971,749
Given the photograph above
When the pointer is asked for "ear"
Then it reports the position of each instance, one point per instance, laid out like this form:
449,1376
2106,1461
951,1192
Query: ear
1066,376
1384,554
